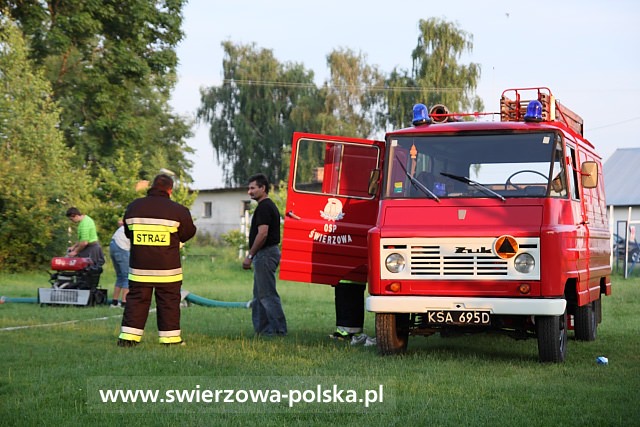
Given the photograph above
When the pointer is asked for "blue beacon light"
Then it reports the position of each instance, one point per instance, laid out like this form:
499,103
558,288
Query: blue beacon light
534,112
420,115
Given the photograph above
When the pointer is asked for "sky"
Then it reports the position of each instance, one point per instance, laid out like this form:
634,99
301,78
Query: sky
587,52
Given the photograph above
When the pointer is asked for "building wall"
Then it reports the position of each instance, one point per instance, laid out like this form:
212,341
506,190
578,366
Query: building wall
621,213
227,210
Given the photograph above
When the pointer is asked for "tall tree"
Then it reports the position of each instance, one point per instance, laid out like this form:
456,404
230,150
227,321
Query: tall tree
350,94
345,105
112,66
249,114
38,181
436,76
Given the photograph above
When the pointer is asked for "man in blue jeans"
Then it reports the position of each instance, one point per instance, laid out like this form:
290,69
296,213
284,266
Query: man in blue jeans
264,237
119,251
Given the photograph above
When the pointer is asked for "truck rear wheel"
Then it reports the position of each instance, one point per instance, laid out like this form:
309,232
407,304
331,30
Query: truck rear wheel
552,338
586,322
392,332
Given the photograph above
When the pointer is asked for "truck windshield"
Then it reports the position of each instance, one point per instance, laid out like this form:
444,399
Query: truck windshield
478,165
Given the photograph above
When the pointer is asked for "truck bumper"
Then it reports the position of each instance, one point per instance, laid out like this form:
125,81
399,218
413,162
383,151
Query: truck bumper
508,306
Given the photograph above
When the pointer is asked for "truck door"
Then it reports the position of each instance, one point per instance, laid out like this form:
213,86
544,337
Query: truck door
330,208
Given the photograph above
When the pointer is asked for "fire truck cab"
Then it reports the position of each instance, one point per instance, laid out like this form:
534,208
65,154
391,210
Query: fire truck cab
457,224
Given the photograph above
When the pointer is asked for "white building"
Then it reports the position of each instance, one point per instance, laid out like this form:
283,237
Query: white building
218,211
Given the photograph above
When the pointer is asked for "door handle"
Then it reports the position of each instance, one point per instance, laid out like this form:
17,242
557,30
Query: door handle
290,214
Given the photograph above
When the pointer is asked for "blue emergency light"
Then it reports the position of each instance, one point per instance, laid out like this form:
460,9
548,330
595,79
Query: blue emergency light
534,112
420,115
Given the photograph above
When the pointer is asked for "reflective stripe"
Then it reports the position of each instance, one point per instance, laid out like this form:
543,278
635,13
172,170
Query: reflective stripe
153,221
157,276
130,330
130,337
141,272
155,279
175,333
153,227
170,340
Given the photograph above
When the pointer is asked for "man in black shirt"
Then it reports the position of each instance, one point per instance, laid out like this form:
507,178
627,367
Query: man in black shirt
264,237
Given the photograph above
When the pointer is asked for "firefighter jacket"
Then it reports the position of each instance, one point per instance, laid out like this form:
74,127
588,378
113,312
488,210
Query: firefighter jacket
156,226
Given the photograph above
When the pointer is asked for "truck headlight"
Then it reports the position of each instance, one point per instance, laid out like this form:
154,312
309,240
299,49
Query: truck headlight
524,263
395,263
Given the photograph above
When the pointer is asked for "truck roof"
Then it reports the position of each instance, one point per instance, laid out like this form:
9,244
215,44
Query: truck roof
548,115
473,126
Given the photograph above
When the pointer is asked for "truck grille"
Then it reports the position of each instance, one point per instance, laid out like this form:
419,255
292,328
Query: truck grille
429,261
454,258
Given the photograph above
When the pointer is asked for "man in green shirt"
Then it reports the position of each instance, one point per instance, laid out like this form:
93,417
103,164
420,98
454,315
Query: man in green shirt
87,245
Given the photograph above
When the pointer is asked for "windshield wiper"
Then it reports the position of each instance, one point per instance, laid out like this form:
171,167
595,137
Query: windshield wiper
473,184
420,186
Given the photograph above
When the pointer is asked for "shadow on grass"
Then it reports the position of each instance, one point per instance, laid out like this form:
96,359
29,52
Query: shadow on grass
473,347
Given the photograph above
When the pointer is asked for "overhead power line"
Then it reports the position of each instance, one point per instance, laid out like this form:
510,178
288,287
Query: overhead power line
613,124
367,88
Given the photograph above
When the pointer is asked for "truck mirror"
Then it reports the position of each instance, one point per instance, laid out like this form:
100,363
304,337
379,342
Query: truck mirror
589,174
373,182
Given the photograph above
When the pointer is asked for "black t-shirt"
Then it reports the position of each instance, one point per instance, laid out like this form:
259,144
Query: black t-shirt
266,214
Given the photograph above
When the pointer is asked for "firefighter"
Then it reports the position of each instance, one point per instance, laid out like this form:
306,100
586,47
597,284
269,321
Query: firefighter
156,226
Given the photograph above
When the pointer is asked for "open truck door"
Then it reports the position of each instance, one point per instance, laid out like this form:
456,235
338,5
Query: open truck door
332,201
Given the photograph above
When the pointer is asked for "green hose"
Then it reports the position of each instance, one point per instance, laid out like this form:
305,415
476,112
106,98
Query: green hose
22,299
195,299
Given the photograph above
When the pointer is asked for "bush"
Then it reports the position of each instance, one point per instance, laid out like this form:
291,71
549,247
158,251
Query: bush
235,239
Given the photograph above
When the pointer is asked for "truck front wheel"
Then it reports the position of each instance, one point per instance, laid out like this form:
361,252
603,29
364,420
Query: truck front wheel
392,332
586,322
552,338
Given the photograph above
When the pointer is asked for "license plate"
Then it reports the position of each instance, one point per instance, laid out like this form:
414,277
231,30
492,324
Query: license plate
451,317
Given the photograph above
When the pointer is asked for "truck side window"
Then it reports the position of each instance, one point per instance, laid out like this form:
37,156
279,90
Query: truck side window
573,173
334,168
558,175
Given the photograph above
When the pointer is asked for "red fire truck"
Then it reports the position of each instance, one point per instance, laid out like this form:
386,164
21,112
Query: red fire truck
458,224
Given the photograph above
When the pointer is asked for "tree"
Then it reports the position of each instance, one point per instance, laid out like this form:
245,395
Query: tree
345,105
350,94
112,66
116,188
262,101
401,93
118,185
436,76
38,181
250,113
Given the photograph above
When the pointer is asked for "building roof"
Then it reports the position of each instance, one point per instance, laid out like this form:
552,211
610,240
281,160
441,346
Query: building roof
622,177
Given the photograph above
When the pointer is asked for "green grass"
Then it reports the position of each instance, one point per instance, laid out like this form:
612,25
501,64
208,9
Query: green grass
50,374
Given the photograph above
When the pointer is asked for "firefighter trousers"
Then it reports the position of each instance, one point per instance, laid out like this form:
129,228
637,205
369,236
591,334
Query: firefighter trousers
349,303
137,310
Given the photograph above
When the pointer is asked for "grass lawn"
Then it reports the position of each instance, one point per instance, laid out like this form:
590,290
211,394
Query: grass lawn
55,361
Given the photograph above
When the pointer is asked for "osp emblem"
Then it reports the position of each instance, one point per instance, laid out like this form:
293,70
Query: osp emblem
332,210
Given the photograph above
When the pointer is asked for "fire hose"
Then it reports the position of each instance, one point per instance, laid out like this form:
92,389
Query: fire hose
4,299
186,295
198,300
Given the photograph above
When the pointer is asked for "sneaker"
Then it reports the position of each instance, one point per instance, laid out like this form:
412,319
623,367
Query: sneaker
114,305
371,341
341,336
358,339
126,343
